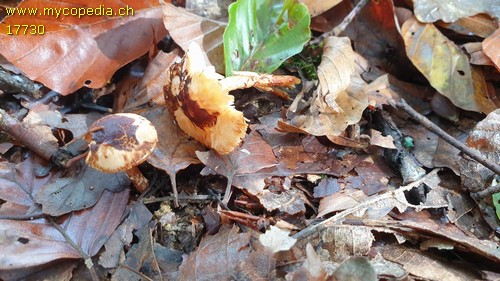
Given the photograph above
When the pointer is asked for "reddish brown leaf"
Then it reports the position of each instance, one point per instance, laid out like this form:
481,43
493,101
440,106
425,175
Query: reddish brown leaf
186,27
221,256
491,47
175,150
80,51
254,155
19,184
150,90
30,243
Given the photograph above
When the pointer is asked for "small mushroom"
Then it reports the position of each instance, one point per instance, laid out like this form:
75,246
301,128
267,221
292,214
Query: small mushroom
121,142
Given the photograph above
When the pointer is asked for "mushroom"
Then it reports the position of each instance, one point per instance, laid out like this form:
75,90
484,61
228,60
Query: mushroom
121,142
199,99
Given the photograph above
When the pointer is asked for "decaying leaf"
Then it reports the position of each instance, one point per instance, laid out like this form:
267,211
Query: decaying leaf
356,268
30,243
147,253
443,64
414,261
339,99
218,257
449,11
121,238
491,46
318,7
277,239
475,177
149,91
186,28
254,155
175,151
78,191
343,241
77,51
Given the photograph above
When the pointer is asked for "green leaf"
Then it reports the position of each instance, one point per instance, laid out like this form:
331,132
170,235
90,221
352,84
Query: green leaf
261,34
496,203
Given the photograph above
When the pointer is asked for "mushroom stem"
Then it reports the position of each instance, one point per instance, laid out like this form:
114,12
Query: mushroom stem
137,179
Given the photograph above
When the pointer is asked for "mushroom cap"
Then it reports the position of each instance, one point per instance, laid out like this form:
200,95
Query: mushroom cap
202,107
119,142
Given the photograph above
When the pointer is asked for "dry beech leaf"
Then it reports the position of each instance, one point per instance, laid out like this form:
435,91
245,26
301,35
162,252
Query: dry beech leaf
318,7
19,184
80,190
413,261
277,239
186,28
175,151
375,35
339,99
254,155
30,243
219,257
81,51
491,47
340,201
480,25
477,56
149,91
444,65
452,10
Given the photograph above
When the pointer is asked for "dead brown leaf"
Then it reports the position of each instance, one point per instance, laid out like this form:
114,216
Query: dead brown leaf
31,243
253,155
81,51
339,99
219,257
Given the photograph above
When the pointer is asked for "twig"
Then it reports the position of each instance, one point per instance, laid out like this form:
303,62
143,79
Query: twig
34,139
191,198
342,26
472,153
10,82
136,272
24,217
363,205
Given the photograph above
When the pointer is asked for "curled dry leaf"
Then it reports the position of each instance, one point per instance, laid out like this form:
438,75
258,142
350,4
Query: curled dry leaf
186,28
77,51
339,99
199,99
318,7
277,239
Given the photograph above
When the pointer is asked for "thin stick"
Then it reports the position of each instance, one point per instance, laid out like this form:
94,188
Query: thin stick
472,153
342,26
363,205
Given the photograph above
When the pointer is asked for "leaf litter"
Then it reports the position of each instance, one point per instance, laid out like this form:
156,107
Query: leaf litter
329,178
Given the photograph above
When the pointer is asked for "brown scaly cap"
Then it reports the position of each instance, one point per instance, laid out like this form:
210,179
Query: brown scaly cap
119,142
